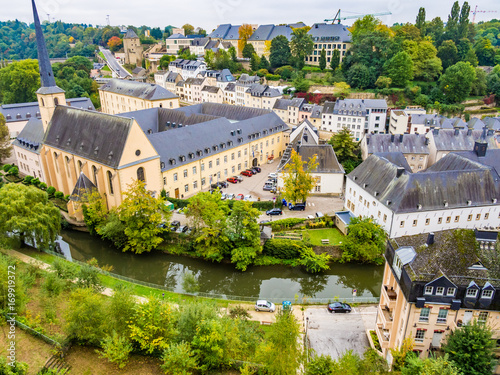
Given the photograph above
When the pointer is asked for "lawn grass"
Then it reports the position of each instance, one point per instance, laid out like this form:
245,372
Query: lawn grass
106,68
333,234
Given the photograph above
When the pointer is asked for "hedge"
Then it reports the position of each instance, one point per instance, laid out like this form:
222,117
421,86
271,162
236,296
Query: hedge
285,223
283,248
260,205
178,203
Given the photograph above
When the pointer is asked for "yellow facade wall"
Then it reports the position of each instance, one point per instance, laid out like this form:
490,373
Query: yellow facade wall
113,103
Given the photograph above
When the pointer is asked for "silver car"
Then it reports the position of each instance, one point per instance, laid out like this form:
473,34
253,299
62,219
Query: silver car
263,305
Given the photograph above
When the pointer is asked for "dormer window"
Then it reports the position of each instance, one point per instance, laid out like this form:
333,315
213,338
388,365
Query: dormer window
487,293
439,291
450,292
428,290
471,293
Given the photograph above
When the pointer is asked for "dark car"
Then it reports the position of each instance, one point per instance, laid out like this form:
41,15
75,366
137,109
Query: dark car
174,225
252,171
182,229
257,169
247,173
297,207
339,307
274,211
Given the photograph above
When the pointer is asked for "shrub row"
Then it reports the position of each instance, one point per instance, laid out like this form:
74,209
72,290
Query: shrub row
260,205
282,248
285,223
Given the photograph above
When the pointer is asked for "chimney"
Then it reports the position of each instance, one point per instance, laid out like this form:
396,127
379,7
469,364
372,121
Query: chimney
480,147
457,132
401,138
469,132
426,141
399,172
392,137
367,140
430,239
490,132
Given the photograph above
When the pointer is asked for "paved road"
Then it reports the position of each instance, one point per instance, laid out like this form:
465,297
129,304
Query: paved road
113,64
334,334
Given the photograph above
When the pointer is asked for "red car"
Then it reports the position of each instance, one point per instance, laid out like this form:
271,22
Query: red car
247,173
232,180
239,197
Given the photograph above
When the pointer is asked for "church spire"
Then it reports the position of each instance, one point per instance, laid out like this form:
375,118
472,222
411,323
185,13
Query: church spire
44,67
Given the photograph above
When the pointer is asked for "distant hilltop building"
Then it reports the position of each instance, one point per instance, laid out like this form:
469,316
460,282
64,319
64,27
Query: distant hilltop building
132,48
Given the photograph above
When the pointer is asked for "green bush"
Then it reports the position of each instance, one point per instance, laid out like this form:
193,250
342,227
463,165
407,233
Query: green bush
36,182
282,248
51,191
59,195
285,223
53,285
273,77
6,167
311,69
43,185
27,180
263,205
178,203
13,171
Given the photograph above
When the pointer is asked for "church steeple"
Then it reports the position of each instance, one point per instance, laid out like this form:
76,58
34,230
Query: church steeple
49,95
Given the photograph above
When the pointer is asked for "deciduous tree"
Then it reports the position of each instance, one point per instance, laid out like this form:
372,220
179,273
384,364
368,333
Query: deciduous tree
279,52
457,81
115,43
322,59
26,212
5,144
471,348
188,29
248,51
335,61
298,180
420,21
19,82
254,62
400,69
345,147
244,32
448,53
365,242
301,45
142,215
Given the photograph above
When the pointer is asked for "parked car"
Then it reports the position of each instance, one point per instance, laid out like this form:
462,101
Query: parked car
269,185
297,207
230,196
239,197
247,173
258,169
232,180
264,221
274,211
272,175
223,196
223,184
252,171
339,307
319,214
174,225
248,198
263,305
182,229
239,178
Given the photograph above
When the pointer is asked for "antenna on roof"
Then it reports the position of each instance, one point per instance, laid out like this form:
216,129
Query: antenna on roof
107,19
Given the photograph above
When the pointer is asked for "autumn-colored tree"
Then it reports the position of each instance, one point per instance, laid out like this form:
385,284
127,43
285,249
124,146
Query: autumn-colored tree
142,215
115,43
298,180
5,145
245,31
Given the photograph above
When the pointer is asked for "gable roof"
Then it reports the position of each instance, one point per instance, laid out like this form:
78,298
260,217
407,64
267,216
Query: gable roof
326,158
31,137
82,187
405,143
141,90
459,140
92,135
329,32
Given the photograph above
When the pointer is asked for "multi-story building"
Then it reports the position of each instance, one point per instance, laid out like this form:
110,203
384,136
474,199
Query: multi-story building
17,115
124,96
414,147
132,48
459,191
288,110
167,79
212,94
192,89
219,78
198,45
26,149
261,96
230,94
361,116
187,68
313,113
262,37
400,119
329,37
444,141
227,33
429,289
176,43
242,84
328,174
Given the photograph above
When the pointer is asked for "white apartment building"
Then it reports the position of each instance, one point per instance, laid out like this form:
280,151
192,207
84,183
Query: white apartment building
361,116
330,37
212,94
288,109
242,84
176,42
459,191
26,149
261,96
192,89
187,68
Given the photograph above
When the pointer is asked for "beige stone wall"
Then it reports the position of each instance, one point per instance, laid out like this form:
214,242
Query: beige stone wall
113,103
133,51
47,104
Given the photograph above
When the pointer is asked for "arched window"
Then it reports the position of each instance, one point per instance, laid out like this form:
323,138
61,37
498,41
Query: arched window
43,103
55,161
140,174
110,180
80,165
67,164
56,101
94,173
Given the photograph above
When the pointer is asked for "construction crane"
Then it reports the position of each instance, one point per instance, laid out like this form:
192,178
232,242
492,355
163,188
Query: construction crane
107,19
475,11
338,18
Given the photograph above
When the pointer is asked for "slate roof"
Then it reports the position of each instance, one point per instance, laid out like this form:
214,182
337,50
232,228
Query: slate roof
130,34
262,90
430,190
450,140
405,143
323,32
284,30
246,80
211,89
285,103
203,126
442,257
396,158
26,111
212,44
171,77
177,36
357,107
200,42
491,159
328,107
425,119
82,187
141,90
327,160
92,135
316,111
492,123
194,81
230,87
31,137
452,123
262,33
220,32
475,124
47,80
233,33
297,25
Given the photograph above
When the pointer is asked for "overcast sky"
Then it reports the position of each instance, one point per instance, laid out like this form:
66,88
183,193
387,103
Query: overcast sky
210,13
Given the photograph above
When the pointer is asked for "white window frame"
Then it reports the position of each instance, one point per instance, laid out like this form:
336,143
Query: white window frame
450,291
487,291
468,293
428,290
440,291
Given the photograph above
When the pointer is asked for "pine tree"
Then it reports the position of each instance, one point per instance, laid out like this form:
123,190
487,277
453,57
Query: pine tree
420,22
335,61
322,60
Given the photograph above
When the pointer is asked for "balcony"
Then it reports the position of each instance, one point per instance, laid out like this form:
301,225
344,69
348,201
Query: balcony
390,296
383,337
386,317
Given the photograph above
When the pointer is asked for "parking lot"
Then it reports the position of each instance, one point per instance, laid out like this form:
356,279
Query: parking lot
334,334
253,186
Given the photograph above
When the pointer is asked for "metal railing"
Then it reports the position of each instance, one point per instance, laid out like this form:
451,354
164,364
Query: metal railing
33,332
